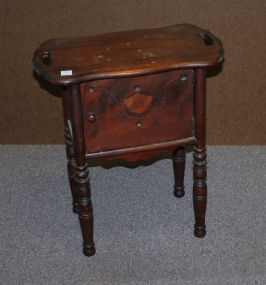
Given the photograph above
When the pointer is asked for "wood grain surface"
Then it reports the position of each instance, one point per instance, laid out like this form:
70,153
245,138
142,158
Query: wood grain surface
235,99
127,112
74,60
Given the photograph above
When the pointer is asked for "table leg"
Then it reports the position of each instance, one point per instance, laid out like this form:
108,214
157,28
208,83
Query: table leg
199,191
71,163
179,160
85,210
200,162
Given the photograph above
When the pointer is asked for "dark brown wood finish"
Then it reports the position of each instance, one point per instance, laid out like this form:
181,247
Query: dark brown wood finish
131,96
152,109
85,210
200,156
126,53
70,147
153,148
179,159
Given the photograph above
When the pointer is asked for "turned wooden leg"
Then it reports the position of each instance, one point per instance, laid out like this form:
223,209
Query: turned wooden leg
200,162
85,209
199,191
71,165
179,160
81,174
68,132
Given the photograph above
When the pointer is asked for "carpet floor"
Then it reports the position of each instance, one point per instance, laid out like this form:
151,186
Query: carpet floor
143,234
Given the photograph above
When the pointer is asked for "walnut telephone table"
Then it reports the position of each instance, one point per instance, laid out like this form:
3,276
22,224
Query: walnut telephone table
132,95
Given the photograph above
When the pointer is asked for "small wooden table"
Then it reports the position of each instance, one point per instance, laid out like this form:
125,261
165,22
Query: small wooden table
132,95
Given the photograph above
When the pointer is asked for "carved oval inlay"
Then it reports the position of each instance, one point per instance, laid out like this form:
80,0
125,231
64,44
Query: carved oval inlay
138,102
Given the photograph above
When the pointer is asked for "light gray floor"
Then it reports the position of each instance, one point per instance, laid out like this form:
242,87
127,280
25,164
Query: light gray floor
143,234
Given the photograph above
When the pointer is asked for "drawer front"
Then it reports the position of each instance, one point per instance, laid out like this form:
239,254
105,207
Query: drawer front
134,111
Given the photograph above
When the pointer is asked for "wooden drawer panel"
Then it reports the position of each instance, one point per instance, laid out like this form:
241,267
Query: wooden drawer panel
133,111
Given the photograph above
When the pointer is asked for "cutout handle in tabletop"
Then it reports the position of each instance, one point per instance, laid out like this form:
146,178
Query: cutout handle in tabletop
207,39
46,58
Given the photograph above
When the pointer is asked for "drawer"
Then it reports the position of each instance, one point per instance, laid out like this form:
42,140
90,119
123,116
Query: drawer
135,111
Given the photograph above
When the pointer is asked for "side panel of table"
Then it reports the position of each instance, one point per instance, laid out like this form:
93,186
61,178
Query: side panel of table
136,111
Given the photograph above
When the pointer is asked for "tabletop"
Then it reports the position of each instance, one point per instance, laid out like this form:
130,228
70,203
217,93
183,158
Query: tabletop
73,60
